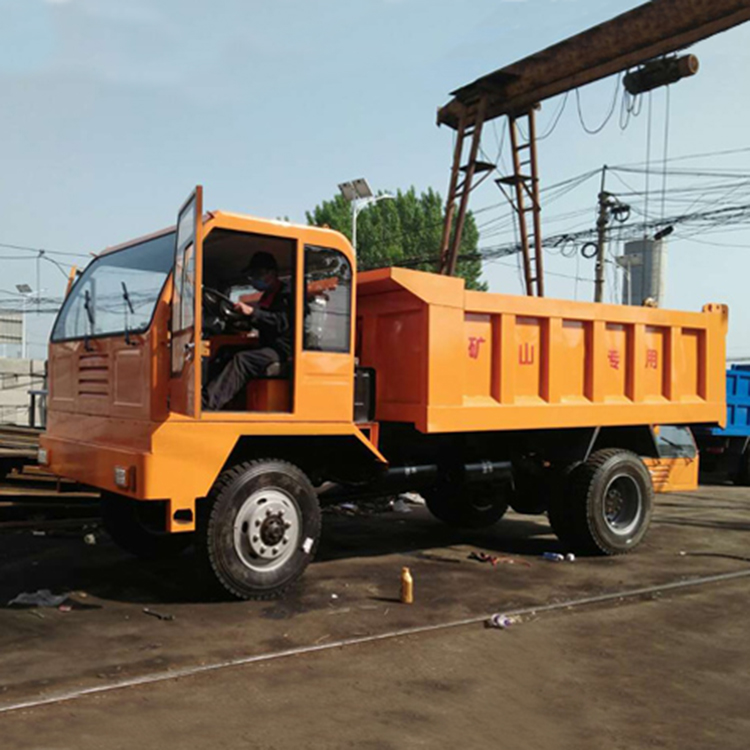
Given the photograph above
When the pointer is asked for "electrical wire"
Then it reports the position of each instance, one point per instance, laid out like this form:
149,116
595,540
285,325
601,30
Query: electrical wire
37,250
608,117
666,154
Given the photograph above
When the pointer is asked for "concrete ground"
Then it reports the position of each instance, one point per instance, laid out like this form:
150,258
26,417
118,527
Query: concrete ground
668,670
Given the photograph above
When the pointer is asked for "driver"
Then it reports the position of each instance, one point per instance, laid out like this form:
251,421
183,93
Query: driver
270,317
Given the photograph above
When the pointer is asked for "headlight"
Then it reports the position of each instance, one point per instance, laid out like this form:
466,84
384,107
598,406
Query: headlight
122,476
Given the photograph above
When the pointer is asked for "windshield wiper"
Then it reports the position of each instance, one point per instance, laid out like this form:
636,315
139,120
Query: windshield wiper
128,306
90,315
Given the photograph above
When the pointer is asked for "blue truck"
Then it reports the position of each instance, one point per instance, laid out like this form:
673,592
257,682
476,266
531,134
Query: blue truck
727,449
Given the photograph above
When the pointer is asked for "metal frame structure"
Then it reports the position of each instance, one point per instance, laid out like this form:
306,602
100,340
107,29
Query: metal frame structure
656,28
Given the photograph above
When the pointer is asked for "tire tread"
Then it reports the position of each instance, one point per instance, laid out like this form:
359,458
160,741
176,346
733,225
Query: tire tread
215,495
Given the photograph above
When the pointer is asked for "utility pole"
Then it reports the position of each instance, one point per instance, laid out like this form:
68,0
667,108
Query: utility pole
601,238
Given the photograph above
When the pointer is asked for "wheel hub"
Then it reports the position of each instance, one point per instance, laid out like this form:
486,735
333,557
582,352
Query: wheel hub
267,529
622,504
272,530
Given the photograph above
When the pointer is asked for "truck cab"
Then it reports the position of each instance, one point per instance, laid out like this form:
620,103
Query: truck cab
136,341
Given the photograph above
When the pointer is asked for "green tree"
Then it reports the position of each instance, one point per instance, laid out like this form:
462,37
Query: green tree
403,231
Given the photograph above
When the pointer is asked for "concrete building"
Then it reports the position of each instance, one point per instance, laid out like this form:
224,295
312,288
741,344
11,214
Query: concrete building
17,378
644,265
11,334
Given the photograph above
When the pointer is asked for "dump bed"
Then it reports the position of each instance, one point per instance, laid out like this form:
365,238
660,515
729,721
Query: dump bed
451,360
738,404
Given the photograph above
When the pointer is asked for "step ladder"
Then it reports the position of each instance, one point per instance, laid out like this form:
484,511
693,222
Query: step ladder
524,198
462,178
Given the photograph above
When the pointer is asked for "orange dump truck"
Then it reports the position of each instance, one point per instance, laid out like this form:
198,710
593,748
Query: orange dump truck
392,380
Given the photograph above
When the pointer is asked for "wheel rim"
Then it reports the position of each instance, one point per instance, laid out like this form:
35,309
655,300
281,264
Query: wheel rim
267,529
483,501
623,505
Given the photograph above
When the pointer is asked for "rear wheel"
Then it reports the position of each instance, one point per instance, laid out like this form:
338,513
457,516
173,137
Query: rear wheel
531,495
261,530
467,506
134,527
742,477
607,504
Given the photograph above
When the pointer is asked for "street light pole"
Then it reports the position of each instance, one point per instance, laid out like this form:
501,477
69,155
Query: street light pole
359,194
361,205
27,293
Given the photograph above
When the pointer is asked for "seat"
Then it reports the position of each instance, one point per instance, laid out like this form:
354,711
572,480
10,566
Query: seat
272,391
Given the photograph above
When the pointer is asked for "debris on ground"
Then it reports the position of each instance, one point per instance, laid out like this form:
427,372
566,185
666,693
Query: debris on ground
363,507
500,621
496,560
558,557
41,598
90,539
412,498
158,615
400,506
553,557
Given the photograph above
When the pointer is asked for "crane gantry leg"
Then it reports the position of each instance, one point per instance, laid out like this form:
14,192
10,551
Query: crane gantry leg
460,184
525,200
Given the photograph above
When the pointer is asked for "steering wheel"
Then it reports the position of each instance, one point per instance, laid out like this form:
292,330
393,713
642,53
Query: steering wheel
220,305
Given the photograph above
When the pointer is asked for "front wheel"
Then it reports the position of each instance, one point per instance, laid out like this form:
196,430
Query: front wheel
607,504
466,506
261,530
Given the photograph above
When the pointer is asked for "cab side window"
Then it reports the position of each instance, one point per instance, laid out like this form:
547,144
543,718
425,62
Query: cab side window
328,300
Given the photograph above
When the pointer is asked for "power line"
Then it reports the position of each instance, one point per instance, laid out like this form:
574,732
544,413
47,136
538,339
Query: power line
43,250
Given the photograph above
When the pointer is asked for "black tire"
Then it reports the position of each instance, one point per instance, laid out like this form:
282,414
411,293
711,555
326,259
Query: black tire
606,504
466,506
275,499
128,523
531,493
742,477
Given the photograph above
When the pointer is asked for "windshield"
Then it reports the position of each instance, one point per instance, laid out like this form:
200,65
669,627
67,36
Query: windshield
118,292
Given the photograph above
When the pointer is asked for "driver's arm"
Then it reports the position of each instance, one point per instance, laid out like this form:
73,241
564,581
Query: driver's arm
244,308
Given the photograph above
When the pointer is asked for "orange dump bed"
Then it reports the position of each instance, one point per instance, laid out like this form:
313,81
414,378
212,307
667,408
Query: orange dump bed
451,360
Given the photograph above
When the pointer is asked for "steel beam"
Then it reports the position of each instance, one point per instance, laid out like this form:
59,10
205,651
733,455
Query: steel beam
655,28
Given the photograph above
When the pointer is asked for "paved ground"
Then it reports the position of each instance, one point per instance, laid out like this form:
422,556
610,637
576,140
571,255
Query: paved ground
665,672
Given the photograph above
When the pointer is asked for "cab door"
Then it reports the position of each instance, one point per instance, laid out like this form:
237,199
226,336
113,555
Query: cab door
185,384
324,385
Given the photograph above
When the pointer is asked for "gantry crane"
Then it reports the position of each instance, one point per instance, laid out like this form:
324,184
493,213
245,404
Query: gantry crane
650,31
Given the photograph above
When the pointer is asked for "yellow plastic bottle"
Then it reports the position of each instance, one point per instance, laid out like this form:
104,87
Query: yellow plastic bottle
407,586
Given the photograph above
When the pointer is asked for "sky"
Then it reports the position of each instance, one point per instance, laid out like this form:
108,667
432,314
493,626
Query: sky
113,111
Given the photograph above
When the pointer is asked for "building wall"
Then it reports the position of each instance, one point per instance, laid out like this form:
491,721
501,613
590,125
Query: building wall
17,377
11,334
647,273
